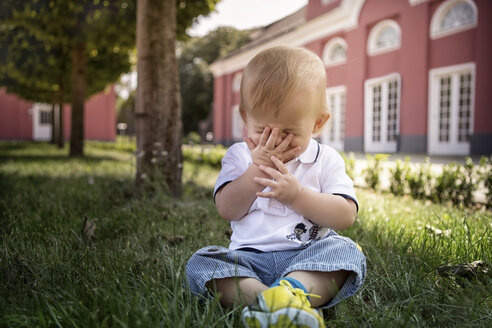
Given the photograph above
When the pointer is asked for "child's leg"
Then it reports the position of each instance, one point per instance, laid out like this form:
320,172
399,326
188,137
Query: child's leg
237,290
324,284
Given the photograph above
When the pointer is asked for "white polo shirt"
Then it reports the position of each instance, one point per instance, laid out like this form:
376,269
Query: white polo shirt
270,225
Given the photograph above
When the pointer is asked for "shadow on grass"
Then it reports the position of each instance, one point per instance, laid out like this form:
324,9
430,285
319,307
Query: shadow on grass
42,159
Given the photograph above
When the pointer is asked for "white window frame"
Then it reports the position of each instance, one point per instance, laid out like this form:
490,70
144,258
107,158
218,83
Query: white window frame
335,120
383,146
372,48
329,47
435,30
40,132
236,82
237,124
453,147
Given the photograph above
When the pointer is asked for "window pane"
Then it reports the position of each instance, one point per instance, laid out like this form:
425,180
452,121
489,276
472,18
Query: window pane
387,37
44,117
332,126
342,117
459,15
464,116
376,113
444,108
338,53
392,110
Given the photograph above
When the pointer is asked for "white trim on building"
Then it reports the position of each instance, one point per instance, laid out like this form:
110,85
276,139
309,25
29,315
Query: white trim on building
453,16
236,82
334,52
385,36
41,122
342,18
382,113
333,133
237,124
451,109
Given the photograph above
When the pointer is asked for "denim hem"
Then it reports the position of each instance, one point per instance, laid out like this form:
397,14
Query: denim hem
221,275
349,288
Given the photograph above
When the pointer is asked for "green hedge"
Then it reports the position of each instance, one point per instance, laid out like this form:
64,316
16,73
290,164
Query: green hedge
204,154
456,183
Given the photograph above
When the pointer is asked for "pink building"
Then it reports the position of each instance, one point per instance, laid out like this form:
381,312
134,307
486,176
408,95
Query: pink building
23,120
406,76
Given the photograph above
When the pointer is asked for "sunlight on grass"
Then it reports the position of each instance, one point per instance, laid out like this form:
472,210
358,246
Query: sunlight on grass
132,272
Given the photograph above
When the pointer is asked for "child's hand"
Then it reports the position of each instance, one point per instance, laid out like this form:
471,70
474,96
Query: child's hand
266,148
285,187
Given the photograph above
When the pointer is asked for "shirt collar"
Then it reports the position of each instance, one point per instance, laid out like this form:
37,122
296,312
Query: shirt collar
311,154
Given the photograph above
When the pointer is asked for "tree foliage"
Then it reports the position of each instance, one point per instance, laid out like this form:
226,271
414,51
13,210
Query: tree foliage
37,37
196,54
44,42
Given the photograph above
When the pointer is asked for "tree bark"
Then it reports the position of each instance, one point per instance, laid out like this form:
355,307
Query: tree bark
158,107
78,99
61,137
53,123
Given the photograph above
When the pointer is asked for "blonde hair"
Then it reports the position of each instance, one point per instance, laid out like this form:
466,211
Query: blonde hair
276,74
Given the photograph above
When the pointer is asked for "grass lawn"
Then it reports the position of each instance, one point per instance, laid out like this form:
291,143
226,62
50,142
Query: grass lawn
131,272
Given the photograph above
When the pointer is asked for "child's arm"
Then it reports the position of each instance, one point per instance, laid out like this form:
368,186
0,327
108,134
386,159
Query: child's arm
235,198
327,210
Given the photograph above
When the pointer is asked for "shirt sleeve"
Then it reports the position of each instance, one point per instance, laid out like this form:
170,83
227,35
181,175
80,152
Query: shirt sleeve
235,162
334,179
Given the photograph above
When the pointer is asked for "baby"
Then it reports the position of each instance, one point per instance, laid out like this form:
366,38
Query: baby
283,193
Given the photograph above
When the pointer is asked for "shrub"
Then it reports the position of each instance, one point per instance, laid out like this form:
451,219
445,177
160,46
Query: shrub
192,138
485,176
456,183
373,170
419,180
446,182
398,177
349,164
211,155
467,182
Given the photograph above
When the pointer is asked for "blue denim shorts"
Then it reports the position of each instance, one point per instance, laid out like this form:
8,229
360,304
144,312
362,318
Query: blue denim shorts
332,253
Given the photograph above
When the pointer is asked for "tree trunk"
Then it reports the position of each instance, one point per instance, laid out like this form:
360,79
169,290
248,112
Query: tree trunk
53,123
158,107
78,99
61,137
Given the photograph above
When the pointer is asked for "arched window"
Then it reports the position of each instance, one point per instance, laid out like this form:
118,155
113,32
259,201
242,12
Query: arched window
384,37
236,82
335,52
453,16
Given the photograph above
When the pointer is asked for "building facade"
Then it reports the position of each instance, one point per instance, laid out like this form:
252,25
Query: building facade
23,120
408,76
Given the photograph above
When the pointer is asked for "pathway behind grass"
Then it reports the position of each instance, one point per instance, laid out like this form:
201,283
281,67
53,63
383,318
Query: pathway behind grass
131,273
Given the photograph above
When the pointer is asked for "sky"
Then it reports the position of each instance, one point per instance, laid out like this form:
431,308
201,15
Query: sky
243,14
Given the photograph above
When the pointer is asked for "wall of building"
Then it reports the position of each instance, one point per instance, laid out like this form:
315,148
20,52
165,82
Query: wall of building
15,117
417,55
481,142
99,119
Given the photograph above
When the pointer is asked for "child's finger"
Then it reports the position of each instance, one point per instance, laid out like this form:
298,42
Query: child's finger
280,165
291,153
272,139
265,182
265,194
271,172
264,136
285,143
